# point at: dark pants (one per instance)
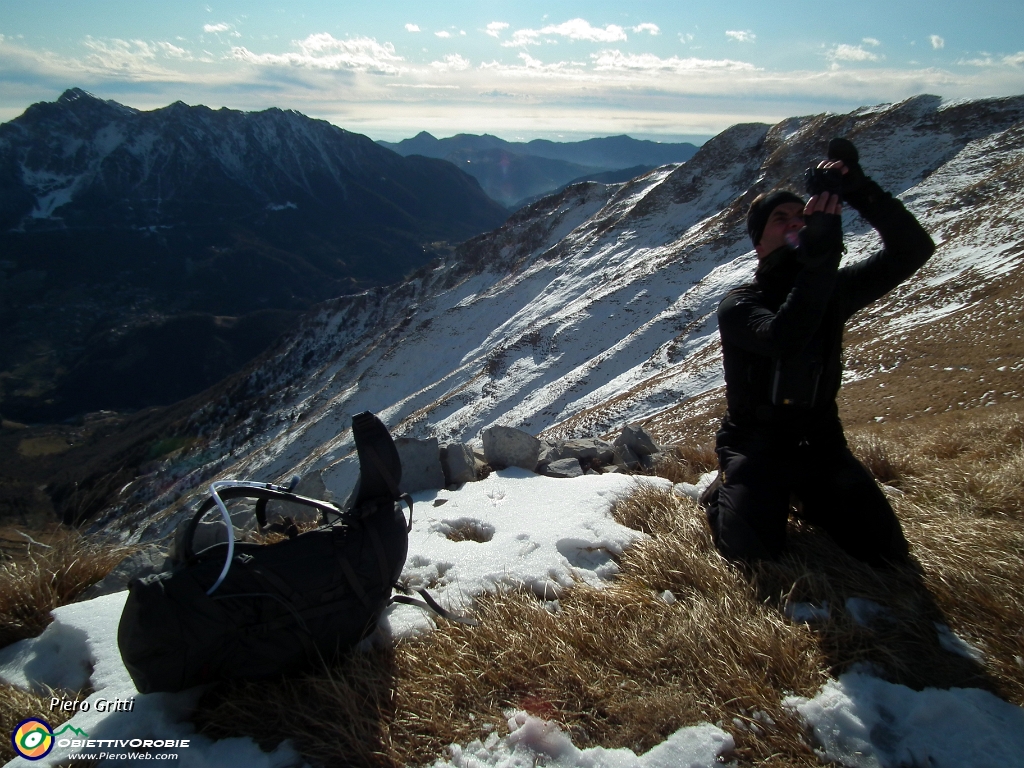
(762, 471)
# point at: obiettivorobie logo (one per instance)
(33, 738)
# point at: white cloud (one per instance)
(424, 86)
(119, 54)
(741, 35)
(174, 51)
(937, 42)
(452, 62)
(443, 33)
(494, 28)
(986, 59)
(647, 62)
(574, 29)
(845, 52)
(874, 42)
(596, 89)
(522, 38)
(128, 60)
(323, 51)
(412, 28)
(216, 27)
(647, 27)
(534, 67)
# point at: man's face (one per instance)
(784, 218)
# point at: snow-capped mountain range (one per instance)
(597, 306)
(112, 217)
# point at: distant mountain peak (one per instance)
(75, 94)
(79, 99)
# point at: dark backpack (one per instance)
(244, 610)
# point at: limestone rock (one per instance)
(584, 449)
(459, 464)
(636, 438)
(564, 468)
(650, 460)
(508, 447)
(312, 486)
(624, 457)
(421, 464)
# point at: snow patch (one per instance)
(864, 722)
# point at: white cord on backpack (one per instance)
(231, 531)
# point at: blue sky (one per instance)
(523, 70)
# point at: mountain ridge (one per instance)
(515, 173)
(112, 217)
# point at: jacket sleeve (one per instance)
(905, 248)
(745, 320)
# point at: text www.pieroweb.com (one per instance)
(126, 749)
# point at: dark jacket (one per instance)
(782, 334)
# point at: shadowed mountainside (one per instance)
(111, 218)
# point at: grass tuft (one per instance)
(686, 463)
(44, 578)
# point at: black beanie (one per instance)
(762, 207)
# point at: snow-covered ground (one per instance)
(543, 533)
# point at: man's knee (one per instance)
(735, 536)
(736, 540)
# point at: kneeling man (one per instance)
(781, 440)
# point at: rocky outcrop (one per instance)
(585, 450)
(459, 464)
(564, 468)
(508, 447)
(421, 464)
(637, 440)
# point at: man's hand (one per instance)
(821, 239)
(842, 151)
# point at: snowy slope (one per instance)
(595, 306)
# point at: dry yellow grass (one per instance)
(44, 578)
(617, 667)
(686, 463)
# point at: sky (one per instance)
(857, 719)
(658, 69)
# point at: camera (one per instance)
(820, 180)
